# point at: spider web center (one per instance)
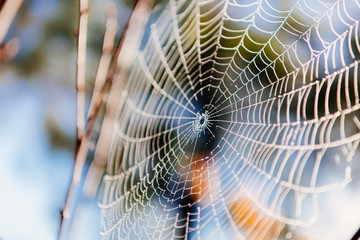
(201, 122)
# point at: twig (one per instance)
(83, 143)
(105, 60)
(126, 56)
(2, 3)
(80, 155)
(97, 166)
(97, 97)
(356, 235)
(130, 42)
(7, 14)
(81, 67)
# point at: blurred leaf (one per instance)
(57, 137)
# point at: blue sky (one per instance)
(33, 176)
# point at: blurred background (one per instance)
(37, 117)
(38, 125)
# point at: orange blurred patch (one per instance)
(253, 223)
(200, 177)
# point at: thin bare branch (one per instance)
(81, 67)
(105, 60)
(2, 3)
(125, 58)
(97, 97)
(98, 165)
(7, 14)
(136, 27)
(80, 155)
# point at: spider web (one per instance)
(235, 117)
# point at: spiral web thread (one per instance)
(236, 116)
